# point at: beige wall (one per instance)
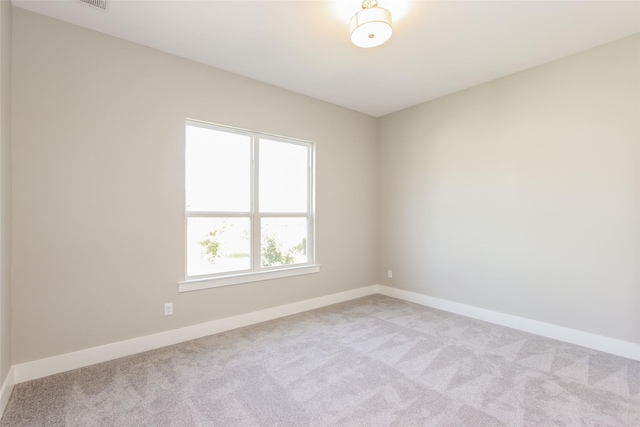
(5, 189)
(98, 136)
(522, 195)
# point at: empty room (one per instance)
(319, 213)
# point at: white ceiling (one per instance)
(438, 47)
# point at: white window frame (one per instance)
(257, 272)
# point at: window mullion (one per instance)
(255, 208)
(284, 214)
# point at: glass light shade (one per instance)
(371, 27)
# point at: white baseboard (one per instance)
(5, 391)
(585, 339)
(78, 359)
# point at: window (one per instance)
(249, 206)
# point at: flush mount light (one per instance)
(371, 26)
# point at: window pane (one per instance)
(218, 170)
(283, 177)
(284, 241)
(217, 245)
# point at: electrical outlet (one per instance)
(168, 309)
(389, 274)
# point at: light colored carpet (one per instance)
(375, 361)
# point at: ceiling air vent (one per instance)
(97, 4)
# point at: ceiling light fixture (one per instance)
(371, 26)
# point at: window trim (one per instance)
(256, 271)
(247, 277)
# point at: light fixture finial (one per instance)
(366, 4)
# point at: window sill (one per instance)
(236, 279)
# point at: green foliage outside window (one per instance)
(271, 254)
(211, 246)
